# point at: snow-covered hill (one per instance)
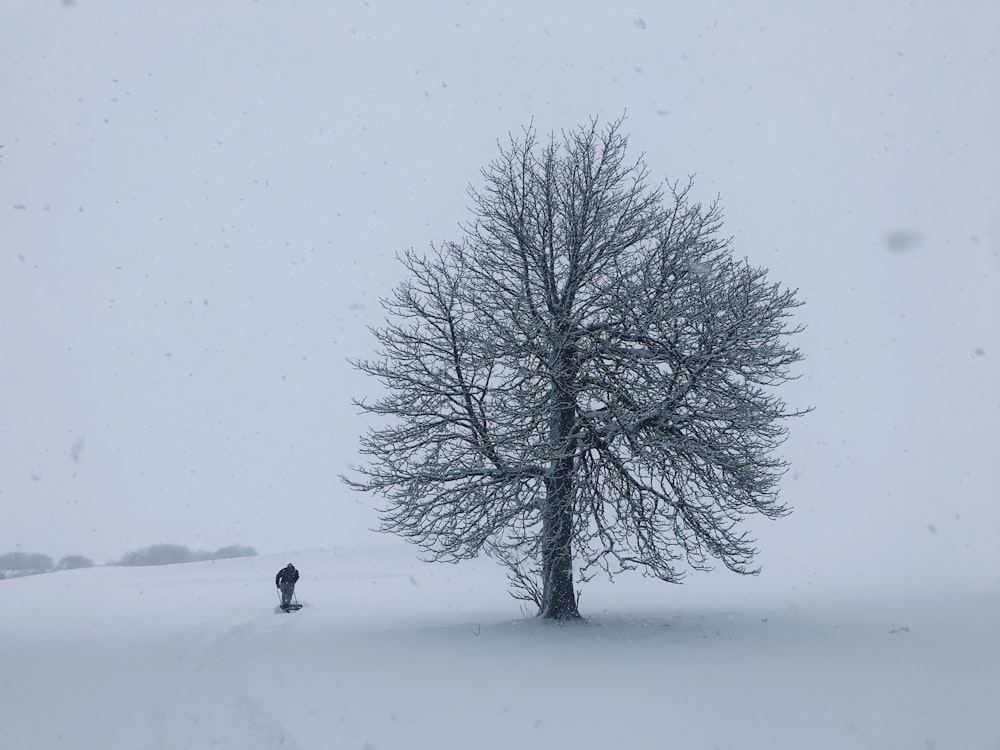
(391, 653)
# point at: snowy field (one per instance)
(391, 653)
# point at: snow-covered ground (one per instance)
(389, 652)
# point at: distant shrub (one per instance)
(158, 554)
(25, 563)
(70, 562)
(234, 550)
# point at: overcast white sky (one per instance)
(200, 205)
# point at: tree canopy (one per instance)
(585, 378)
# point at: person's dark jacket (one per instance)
(287, 574)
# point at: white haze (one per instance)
(200, 205)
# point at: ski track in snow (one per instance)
(205, 702)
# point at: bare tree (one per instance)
(585, 378)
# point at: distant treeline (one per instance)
(28, 563)
(15, 564)
(169, 554)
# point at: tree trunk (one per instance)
(558, 596)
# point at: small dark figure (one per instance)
(285, 581)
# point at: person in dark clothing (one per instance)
(285, 581)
